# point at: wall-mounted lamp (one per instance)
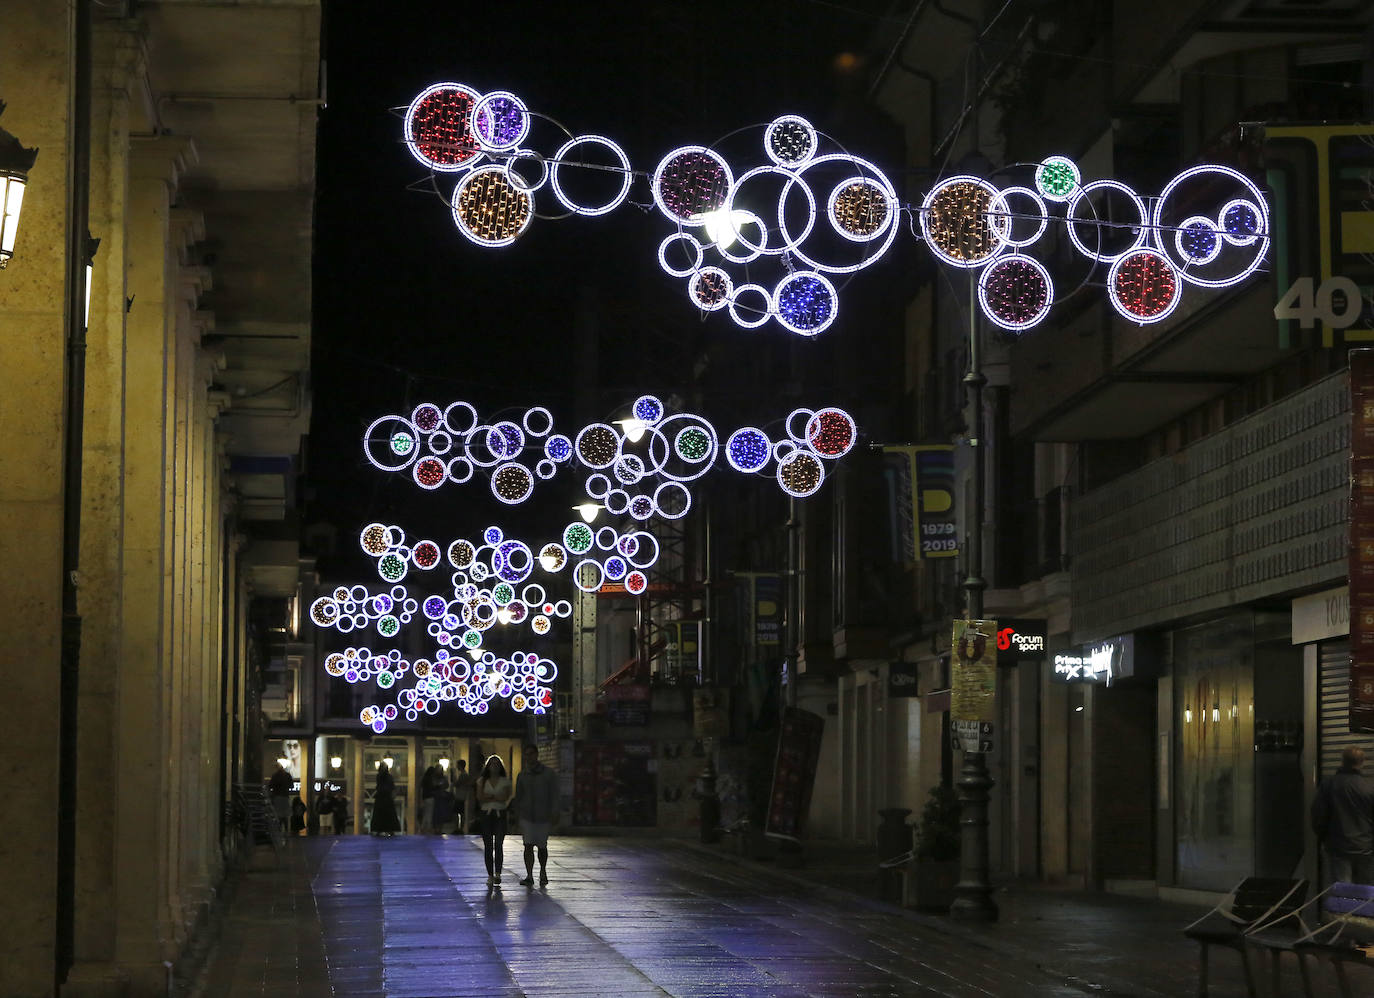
(15, 164)
(92, 245)
(389, 761)
(336, 762)
(1187, 714)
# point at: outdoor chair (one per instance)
(1255, 904)
(1346, 936)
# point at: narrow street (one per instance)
(412, 917)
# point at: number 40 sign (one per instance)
(1336, 302)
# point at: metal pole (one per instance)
(973, 894)
(793, 603)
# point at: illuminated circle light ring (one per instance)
(790, 140)
(842, 203)
(578, 575)
(636, 583)
(374, 539)
(597, 486)
(642, 507)
(487, 115)
(626, 175)
(795, 418)
(429, 473)
(806, 303)
(641, 558)
(1001, 206)
(738, 219)
(1057, 177)
(518, 180)
(578, 538)
(793, 178)
(879, 179)
(324, 611)
(801, 474)
(512, 483)
(1192, 227)
(460, 418)
(597, 445)
(647, 409)
(1245, 205)
(545, 469)
(425, 555)
(426, 417)
(1023, 270)
(831, 433)
(629, 469)
(1070, 216)
(748, 450)
(696, 444)
(696, 249)
(541, 418)
(938, 235)
(408, 458)
(505, 440)
(1153, 304)
(459, 470)
(440, 442)
(453, 120)
(677, 489)
(762, 312)
(689, 160)
(616, 501)
(710, 289)
(475, 446)
(615, 568)
(606, 538)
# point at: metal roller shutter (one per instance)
(1334, 707)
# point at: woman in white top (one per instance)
(493, 795)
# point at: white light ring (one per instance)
(459, 470)
(384, 539)
(706, 463)
(648, 409)
(628, 469)
(398, 593)
(462, 225)
(805, 415)
(656, 451)
(1132, 317)
(657, 179)
(466, 418)
(577, 575)
(990, 271)
(397, 559)
(1262, 247)
(792, 178)
(642, 506)
(1196, 222)
(640, 560)
(948, 258)
(844, 185)
(790, 119)
(542, 417)
(616, 501)
(760, 316)
(440, 443)
(475, 442)
(478, 571)
(434, 629)
(562, 608)
(615, 568)
(1073, 223)
(663, 254)
(577, 446)
(779, 306)
(533, 595)
(519, 182)
(545, 469)
(511, 466)
(1253, 207)
(784, 449)
(873, 255)
(686, 500)
(476, 111)
(605, 538)
(801, 455)
(344, 625)
(439, 556)
(626, 174)
(411, 143)
(636, 583)
(1005, 211)
(753, 253)
(410, 604)
(597, 486)
(496, 431)
(429, 461)
(395, 537)
(1058, 161)
(812, 423)
(409, 458)
(695, 283)
(556, 553)
(326, 609)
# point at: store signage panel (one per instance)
(902, 680)
(1099, 662)
(1321, 616)
(1021, 640)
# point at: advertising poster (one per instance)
(973, 670)
(627, 704)
(794, 772)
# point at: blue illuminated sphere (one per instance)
(805, 303)
(649, 409)
(558, 448)
(1199, 242)
(748, 450)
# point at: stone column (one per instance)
(414, 767)
(357, 787)
(35, 77)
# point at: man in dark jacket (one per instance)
(1343, 818)
(536, 803)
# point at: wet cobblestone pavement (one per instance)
(412, 917)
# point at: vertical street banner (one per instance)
(973, 683)
(767, 610)
(1362, 540)
(794, 773)
(929, 503)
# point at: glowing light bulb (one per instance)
(588, 510)
(633, 429)
(723, 225)
(336, 761)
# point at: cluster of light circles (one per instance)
(729, 219)
(812, 438)
(350, 608)
(522, 679)
(641, 466)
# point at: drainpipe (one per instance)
(78, 211)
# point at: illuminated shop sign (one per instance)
(1100, 662)
(1020, 640)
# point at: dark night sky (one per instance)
(407, 310)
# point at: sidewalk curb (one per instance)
(1093, 983)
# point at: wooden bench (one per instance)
(1346, 935)
(1255, 904)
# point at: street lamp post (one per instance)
(973, 894)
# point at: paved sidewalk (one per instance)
(412, 917)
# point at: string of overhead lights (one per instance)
(726, 220)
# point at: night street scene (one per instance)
(723, 500)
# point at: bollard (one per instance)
(710, 803)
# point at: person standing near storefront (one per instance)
(1343, 818)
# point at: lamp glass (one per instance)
(588, 511)
(336, 761)
(11, 200)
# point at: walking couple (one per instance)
(535, 803)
